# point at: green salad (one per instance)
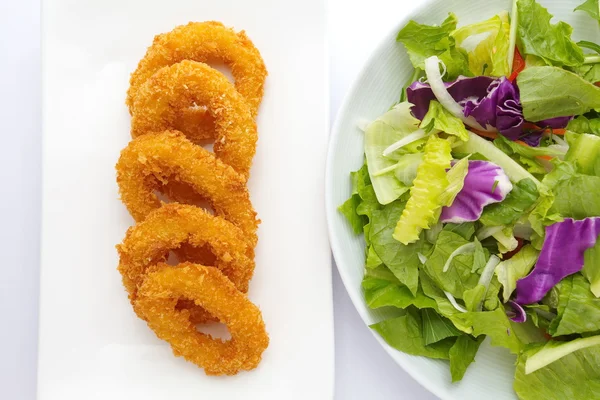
(479, 200)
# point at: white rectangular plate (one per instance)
(92, 346)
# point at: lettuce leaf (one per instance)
(436, 328)
(423, 41)
(578, 197)
(591, 8)
(458, 277)
(591, 268)
(462, 354)
(574, 376)
(515, 268)
(550, 92)
(422, 208)
(496, 325)
(520, 199)
(477, 144)
(584, 152)
(486, 44)
(582, 124)
(405, 333)
(438, 117)
(550, 42)
(578, 308)
(379, 135)
(382, 289)
(349, 210)
(401, 259)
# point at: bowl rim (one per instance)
(334, 137)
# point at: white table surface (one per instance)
(363, 369)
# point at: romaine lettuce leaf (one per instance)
(379, 135)
(422, 208)
(401, 259)
(458, 277)
(405, 333)
(439, 118)
(382, 289)
(550, 92)
(578, 197)
(456, 180)
(578, 308)
(584, 152)
(591, 268)
(462, 354)
(349, 210)
(423, 41)
(589, 72)
(406, 169)
(591, 8)
(574, 376)
(486, 44)
(582, 124)
(477, 144)
(436, 328)
(520, 199)
(516, 267)
(496, 325)
(550, 42)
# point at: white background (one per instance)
(363, 369)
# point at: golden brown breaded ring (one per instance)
(161, 98)
(167, 228)
(150, 161)
(205, 42)
(209, 288)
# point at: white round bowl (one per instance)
(377, 87)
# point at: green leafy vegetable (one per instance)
(462, 354)
(578, 197)
(373, 260)
(444, 306)
(401, 259)
(582, 124)
(436, 328)
(405, 333)
(521, 198)
(406, 169)
(550, 42)
(487, 45)
(438, 117)
(349, 210)
(515, 268)
(591, 8)
(559, 380)
(466, 229)
(456, 180)
(553, 351)
(379, 135)
(589, 72)
(458, 277)
(382, 289)
(477, 144)
(509, 147)
(591, 268)
(424, 41)
(496, 325)
(550, 92)
(584, 152)
(424, 204)
(578, 308)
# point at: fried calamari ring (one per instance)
(161, 98)
(150, 161)
(167, 228)
(209, 288)
(205, 42)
